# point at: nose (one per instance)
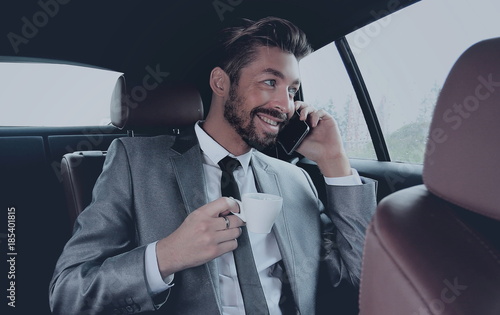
(284, 102)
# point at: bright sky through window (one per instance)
(45, 94)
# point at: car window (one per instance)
(326, 84)
(45, 94)
(405, 57)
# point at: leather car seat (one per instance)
(164, 110)
(434, 248)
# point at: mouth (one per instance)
(271, 117)
(272, 122)
(269, 121)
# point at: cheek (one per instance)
(257, 99)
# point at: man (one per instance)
(158, 234)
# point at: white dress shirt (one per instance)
(264, 246)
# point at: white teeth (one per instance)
(269, 121)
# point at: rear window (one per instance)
(55, 95)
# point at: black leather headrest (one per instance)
(166, 106)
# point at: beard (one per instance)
(244, 122)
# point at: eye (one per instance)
(292, 91)
(270, 82)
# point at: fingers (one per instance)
(303, 109)
(227, 235)
(228, 246)
(311, 114)
(225, 238)
(316, 116)
(238, 203)
(221, 206)
(228, 222)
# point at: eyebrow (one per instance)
(279, 74)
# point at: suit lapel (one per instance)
(300, 257)
(188, 168)
(267, 182)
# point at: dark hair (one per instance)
(239, 43)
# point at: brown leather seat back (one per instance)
(165, 107)
(434, 248)
(80, 171)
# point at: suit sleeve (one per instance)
(101, 269)
(348, 212)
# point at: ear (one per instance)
(219, 82)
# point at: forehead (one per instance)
(273, 58)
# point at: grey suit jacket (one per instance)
(147, 188)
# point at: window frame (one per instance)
(364, 99)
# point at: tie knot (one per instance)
(229, 164)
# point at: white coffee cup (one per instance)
(259, 211)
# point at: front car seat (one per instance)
(165, 110)
(435, 248)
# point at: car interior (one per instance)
(432, 246)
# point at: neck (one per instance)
(217, 127)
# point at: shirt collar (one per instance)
(215, 152)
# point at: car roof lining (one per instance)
(127, 36)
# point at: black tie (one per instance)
(251, 289)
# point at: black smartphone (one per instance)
(292, 134)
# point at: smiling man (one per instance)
(258, 102)
(132, 251)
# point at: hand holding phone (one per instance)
(293, 133)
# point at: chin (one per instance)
(262, 144)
